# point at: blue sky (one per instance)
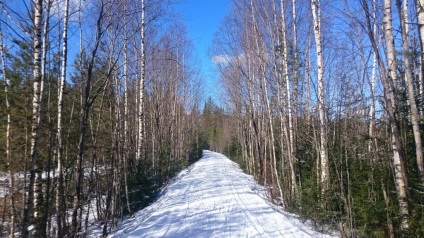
(202, 18)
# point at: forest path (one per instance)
(213, 198)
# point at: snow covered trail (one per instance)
(213, 198)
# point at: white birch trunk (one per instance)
(126, 111)
(308, 82)
(37, 44)
(295, 82)
(141, 85)
(397, 147)
(372, 87)
(59, 188)
(419, 5)
(325, 173)
(288, 98)
(38, 189)
(389, 79)
(411, 94)
(8, 152)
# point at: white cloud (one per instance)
(221, 59)
(58, 8)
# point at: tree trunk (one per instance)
(295, 86)
(87, 101)
(419, 5)
(290, 144)
(38, 186)
(373, 138)
(8, 151)
(411, 95)
(141, 86)
(60, 216)
(126, 112)
(37, 44)
(325, 172)
(389, 79)
(398, 155)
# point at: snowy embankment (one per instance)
(213, 198)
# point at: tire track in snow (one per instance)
(246, 212)
(213, 198)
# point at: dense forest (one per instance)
(99, 109)
(326, 98)
(102, 104)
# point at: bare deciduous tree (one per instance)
(37, 44)
(324, 163)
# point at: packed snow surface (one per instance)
(213, 198)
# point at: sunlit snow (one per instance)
(213, 198)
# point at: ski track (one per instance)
(213, 198)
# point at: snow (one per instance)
(20, 176)
(213, 198)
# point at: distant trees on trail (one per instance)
(326, 99)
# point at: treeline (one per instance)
(325, 108)
(100, 108)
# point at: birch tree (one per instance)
(324, 163)
(87, 101)
(397, 146)
(11, 183)
(126, 109)
(141, 125)
(419, 7)
(60, 216)
(37, 44)
(371, 130)
(39, 198)
(389, 79)
(410, 88)
(288, 92)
